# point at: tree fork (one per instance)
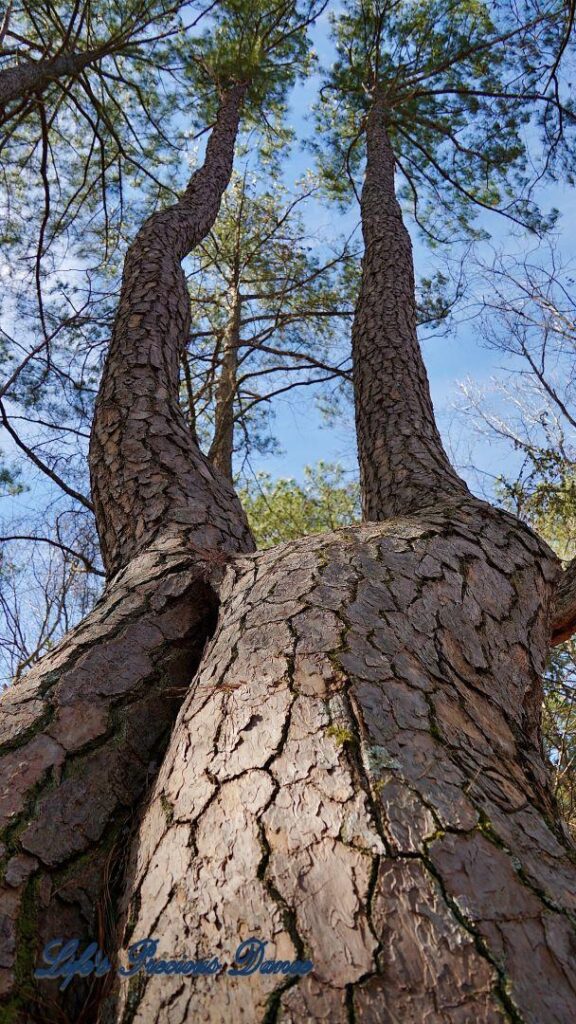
(374, 795)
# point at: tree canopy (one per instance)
(469, 88)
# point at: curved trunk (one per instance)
(372, 796)
(80, 739)
(81, 736)
(355, 777)
(149, 478)
(403, 465)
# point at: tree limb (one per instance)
(42, 465)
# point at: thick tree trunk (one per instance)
(222, 447)
(403, 465)
(79, 740)
(82, 735)
(371, 795)
(356, 777)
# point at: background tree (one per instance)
(270, 314)
(283, 509)
(524, 308)
(272, 301)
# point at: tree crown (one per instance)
(464, 86)
(258, 42)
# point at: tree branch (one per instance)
(42, 465)
(56, 544)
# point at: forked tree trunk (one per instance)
(356, 775)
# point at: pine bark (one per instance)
(372, 794)
(356, 773)
(80, 739)
(83, 734)
(149, 479)
(403, 465)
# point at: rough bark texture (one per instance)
(148, 476)
(356, 773)
(403, 464)
(564, 611)
(222, 447)
(356, 777)
(82, 735)
(79, 741)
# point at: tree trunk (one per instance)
(564, 614)
(356, 775)
(83, 733)
(222, 447)
(80, 737)
(149, 479)
(370, 796)
(403, 465)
